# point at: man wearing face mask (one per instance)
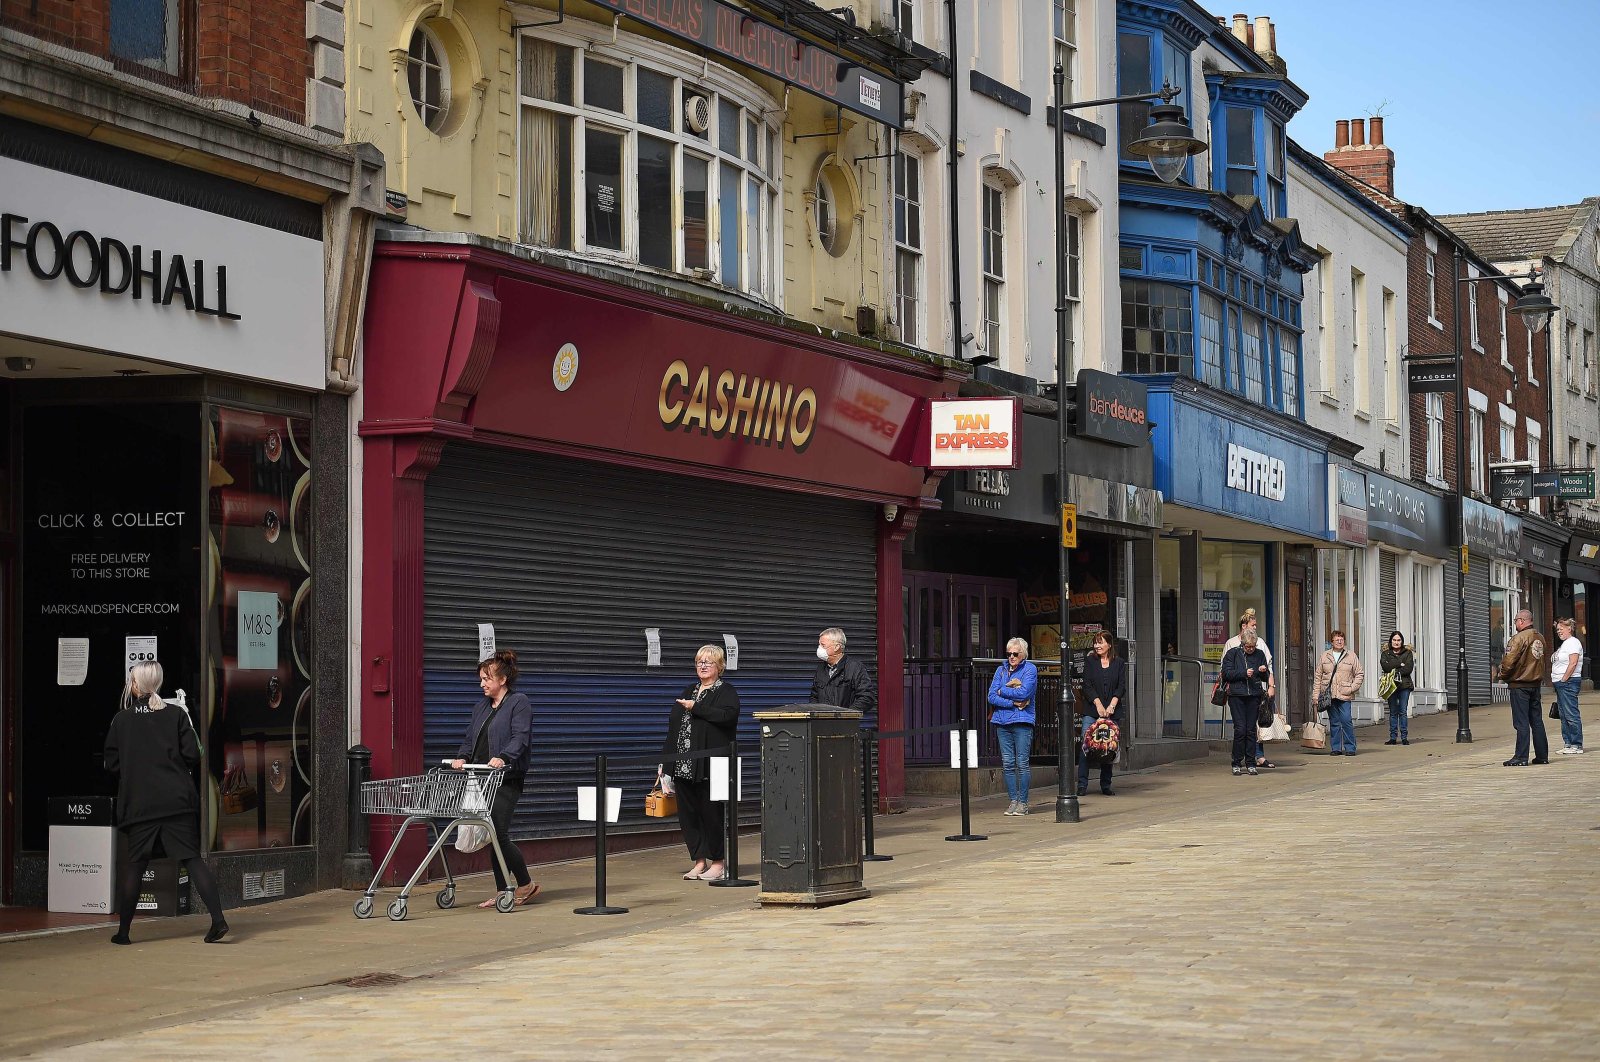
(841, 680)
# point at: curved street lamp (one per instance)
(1534, 305)
(1167, 143)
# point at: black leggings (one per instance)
(505, 802)
(132, 875)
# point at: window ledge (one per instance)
(1436, 323)
(1479, 348)
(1363, 415)
(1392, 427)
(1436, 481)
(1573, 390)
(1329, 399)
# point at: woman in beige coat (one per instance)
(1340, 673)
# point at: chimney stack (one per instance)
(1372, 163)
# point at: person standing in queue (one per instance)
(1340, 673)
(1399, 659)
(1105, 689)
(704, 719)
(1247, 673)
(1522, 669)
(500, 735)
(153, 750)
(841, 680)
(1011, 712)
(1247, 622)
(1565, 664)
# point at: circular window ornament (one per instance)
(835, 209)
(428, 75)
(565, 369)
(827, 214)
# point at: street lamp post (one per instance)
(1536, 308)
(1167, 142)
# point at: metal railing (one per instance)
(941, 693)
(1184, 697)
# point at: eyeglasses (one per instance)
(1013, 654)
(705, 663)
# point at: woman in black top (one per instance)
(1398, 658)
(706, 717)
(153, 750)
(1105, 688)
(499, 735)
(1246, 671)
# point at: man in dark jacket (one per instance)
(841, 680)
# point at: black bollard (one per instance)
(966, 833)
(357, 868)
(869, 739)
(600, 804)
(731, 879)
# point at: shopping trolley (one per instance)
(464, 797)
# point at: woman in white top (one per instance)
(1566, 663)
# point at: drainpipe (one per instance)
(954, 195)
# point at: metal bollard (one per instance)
(966, 833)
(357, 869)
(869, 740)
(601, 803)
(731, 879)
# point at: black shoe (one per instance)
(1392, 741)
(1515, 763)
(1083, 790)
(121, 938)
(1267, 765)
(1335, 752)
(1405, 741)
(1541, 759)
(217, 931)
(1108, 791)
(1350, 753)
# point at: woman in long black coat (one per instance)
(704, 718)
(153, 750)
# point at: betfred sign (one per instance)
(974, 433)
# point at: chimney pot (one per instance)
(1341, 134)
(1377, 130)
(1272, 37)
(1262, 37)
(1358, 132)
(1241, 28)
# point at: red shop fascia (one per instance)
(468, 344)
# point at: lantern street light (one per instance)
(1536, 309)
(1168, 143)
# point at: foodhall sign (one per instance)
(974, 433)
(736, 34)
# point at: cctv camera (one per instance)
(19, 364)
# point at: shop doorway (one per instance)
(956, 630)
(1297, 645)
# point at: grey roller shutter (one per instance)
(1386, 602)
(1447, 604)
(572, 561)
(1480, 653)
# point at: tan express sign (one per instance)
(973, 433)
(753, 408)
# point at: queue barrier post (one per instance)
(966, 765)
(869, 741)
(600, 816)
(730, 878)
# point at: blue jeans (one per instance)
(1016, 741)
(1526, 717)
(1083, 760)
(1399, 705)
(1341, 728)
(1567, 704)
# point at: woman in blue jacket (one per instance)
(1011, 710)
(499, 735)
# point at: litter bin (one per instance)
(83, 848)
(810, 806)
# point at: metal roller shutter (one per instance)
(572, 560)
(1386, 600)
(1447, 603)
(1480, 655)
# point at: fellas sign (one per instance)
(974, 433)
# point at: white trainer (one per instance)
(1011, 808)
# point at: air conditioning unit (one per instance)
(697, 113)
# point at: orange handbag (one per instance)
(660, 804)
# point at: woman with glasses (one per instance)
(706, 717)
(1011, 711)
(1105, 688)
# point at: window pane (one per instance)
(602, 85)
(546, 178)
(1241, 182)
(1157, 327)
(750, 140)
(696, 242)
(1208, 363)
(1133, 76)
(907, 265)
(728, 126)
(655, 98)
(1175, 72)
(603, 202)
(728, 224)
(1241, 137)
(655, 202)
(546, 70)
(752, 235)
(144, 31)
(1252, 357)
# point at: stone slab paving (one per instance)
(1429, 904)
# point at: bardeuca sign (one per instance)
(760, 410)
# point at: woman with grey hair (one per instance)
(705, 718)
(153, 750)
(1011, 711)
(1565, 664)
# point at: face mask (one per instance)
(822, 653)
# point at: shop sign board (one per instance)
(974, 433)
(1350, 496)
(88, 265)
(1544, 557)
(1579, 485)
(1113, 409)
(1512, 485)
(1404, 514)
(1431, 377)
(1491, 531)
(734, 33)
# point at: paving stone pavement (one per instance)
(1433, 905)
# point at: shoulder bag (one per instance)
(1219, 690)
(660, 804)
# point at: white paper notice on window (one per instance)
(72, 661)
(485, 641)
(652, 647)
(139, 649)
(731, 645)
(719, 778)
(586, 803)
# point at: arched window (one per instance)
(428, 74)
